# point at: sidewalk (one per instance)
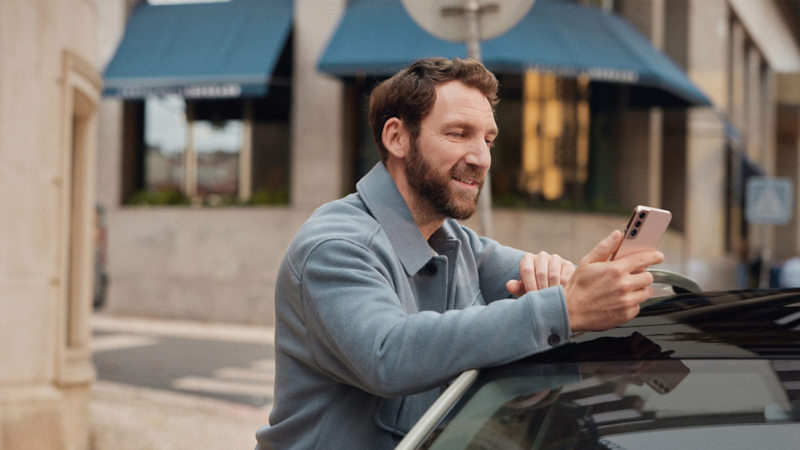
(127, 417)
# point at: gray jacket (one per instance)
(372, 323)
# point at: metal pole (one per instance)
(472, 11)
(766, 257)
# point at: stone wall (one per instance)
(221, 264)
(49, 88)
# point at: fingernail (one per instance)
(661, 255)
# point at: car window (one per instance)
(628, 405)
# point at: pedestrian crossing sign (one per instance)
(768, 200)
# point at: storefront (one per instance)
(567, 73)
(207, 92)
(264, 102)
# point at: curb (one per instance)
(184, 329)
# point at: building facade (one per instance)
(49, 92)
(579, 148)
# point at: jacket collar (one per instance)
(381, 196)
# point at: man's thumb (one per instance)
(602, 251)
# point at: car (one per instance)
(696, 370)
(100, 273)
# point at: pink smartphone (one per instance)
(643, 232)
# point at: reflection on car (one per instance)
(718, 370)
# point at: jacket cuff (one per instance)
(550, 317)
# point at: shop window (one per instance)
(164, 143)
(207, 152)
(217, 136)
(555, 148)
(361, 152)
(210, 152)
(542, 155)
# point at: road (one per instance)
(226, 362)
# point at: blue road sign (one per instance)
(768, 200)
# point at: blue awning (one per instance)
(201, 50)
(378, 38)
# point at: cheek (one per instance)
(442, 155)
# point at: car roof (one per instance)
(749, 324)
(680, 332)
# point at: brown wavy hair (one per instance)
(410, 94)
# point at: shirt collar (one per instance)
(384, 201)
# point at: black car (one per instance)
(713, 370)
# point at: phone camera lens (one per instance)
(642, 214)
(638, 224)
(633, 233)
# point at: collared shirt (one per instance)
(372, 320)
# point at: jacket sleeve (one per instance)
(360, 335)
(496, 264)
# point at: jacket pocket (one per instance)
(398, 415)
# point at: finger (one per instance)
(649, 352)
(554, 271)
(515, 287)
(630, 380)
(641, 280)
(542, 267)
(527, 273)
(641, 295)
(635, 311)
(567, 269)
(645, 365)
(638, 262)
(603, 250)
(636, 339)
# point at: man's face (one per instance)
(448, 162)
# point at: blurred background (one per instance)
(156, 158)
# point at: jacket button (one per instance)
(553, 340)
(429, 269)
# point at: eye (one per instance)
(490, 143)
(456, 134)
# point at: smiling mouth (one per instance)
(466, 182)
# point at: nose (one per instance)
(479, 155)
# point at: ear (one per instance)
(395, 138)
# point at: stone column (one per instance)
(317, 108)
(112, 15)
(707, 65)
(787, 237)
(49, 90)
(641, 132)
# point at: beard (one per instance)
(434, 187)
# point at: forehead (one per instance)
(457, 101)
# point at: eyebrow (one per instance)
(465, 125)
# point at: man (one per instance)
(383, 297)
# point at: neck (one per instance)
(426, 217)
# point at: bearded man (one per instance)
(383, 297)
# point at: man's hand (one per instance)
(602, 294)
(540, 271)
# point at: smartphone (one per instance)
(664, 375)
(643, 232)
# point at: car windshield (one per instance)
(655, 404)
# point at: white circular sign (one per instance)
(447, 19)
